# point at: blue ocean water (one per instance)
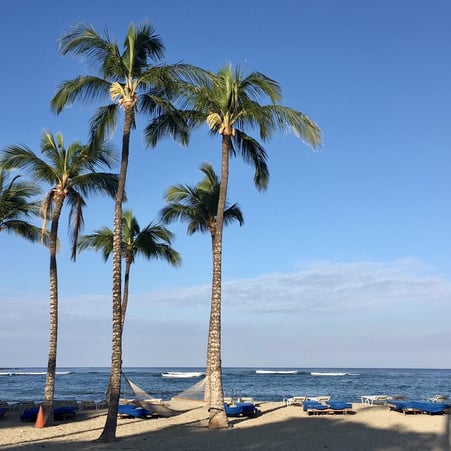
(18, 384)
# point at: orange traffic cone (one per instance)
(40, 419)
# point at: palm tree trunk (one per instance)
(49, 390)
(109, 431)
(123, 312)
(207, 395)
(218, 417)
(128, 265)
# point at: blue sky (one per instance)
(343, 262)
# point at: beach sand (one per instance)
(276, 428)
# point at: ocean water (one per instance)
(18, 384)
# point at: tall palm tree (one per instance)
(198, 206)
(16, 208)
(229, 103)
(152, 242)
(128, 81)
(71, 173)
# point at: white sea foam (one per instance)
(276, 372)
(182, 374)
(313, 373)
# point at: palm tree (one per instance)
(229, 103)
(129, 83)
(152, 242)
(198, 206)
(16, 207)
(71, 173)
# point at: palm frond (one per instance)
(97, 183)
(154, 241)
(142, 45)
(22, 228)
(100, 52)
(258, 86)
(99, 154)
(167, 124)
(232, 214)
(83, 88)
(211, 180)
(103, 122)
(76, 220)
(101, 239)
(17, 206)
(46, 210)
(25, 159)
(253, 152)
(197, 205)
(279, 117)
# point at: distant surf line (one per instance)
(316, 373)
(276, 371)
(183, 374)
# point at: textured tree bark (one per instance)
(109, 431)
(218, 417)
(49, 390)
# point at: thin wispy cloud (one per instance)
(332, 287)
(322, 287)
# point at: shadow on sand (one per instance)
(313, 434)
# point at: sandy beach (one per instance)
(277, 427)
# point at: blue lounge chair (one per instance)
(2, 412)
(240, 409)
(431, 408)
(397, 406)
(132, 411)
(59, 413)
(314, 407)
(339, 405)
(330, 407)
